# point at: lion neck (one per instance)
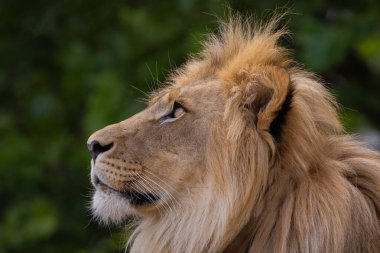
(203, 224)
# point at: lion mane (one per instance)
(282, 175)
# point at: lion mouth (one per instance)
(134, 197)
(139, 199)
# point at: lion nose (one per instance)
(96, 148)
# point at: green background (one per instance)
(68, 68)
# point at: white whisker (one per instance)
(170, 196)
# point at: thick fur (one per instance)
(281, 175)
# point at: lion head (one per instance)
(242, 151)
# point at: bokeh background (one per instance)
(68, 68)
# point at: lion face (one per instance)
(144, 164)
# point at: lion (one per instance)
(241, 151)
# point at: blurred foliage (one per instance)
(68, 68)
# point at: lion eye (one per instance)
(177, 111)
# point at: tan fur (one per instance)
(225, 183)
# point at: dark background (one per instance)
(68, 68)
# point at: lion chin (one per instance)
(242, 151)
(110, 208)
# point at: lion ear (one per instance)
(268, 97)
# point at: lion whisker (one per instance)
(149, 187)
(169, 197)
(172, 198)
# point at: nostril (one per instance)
(96, 148)
(96, 180)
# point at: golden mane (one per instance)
(284, 176)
